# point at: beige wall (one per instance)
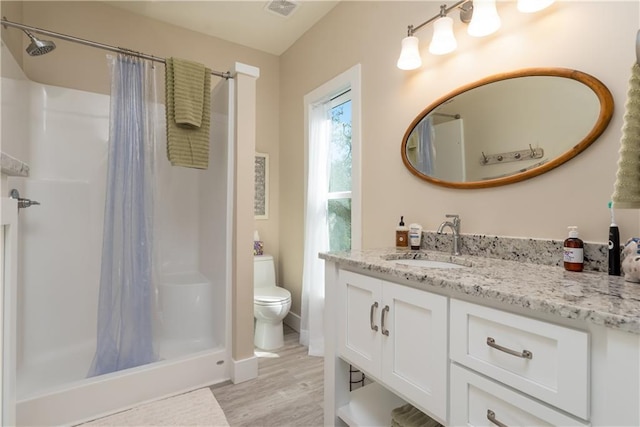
(12, 38)
(570, 34)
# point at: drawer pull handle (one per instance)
(384, 310)
(374, 327)
(491, 416)
(525, 354)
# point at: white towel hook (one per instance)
(638, 47)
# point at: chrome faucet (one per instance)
(454, 225)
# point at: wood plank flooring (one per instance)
(287, 392)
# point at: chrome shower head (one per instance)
(38, 47)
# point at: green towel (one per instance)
(410, 416)
(626, 194)
(187, 143)
(188, 92)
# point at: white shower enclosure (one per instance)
(62, 134)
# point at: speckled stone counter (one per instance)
(590, 296)
(536, 251)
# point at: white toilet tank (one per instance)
(264, 272)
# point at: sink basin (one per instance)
(426, 263)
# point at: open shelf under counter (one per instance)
(370, 405)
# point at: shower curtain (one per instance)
(426, 147)
(126, 300)
(316, 232)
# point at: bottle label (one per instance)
(402, 239)
(575, 255)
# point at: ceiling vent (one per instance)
(284, 8)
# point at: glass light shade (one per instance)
(443, 40)
(485, 19)
(410, 54)
(530, 6)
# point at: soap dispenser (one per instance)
(402, 234)
(573, 251)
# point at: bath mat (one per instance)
(197, 408)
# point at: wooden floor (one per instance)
(287, 392)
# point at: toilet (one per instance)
(270, 304)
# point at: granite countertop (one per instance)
(594, 297)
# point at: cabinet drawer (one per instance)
(478, 401)
(544, 360)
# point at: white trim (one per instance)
(8, 309)
(350, 79)
(339, 195)
(293, 321)
(248, 70)
(244, 370)
(231, 174)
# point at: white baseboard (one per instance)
(244, 370)
(293, 321)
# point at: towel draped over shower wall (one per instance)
(188, 111)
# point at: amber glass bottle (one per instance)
(573, 251)
(402, 235)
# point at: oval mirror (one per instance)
(507, 127)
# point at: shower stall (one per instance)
(62, 134)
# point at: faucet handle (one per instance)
(456, 219)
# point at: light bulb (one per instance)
(485, 19)
(410, 55)
(530, 6)
(443, 40)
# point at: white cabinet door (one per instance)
(414, 353)
(398, 335)
(359, 300)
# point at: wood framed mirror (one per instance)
(507, 127)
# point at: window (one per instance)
(340, 162)
(332, 196)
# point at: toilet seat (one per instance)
(271, 295)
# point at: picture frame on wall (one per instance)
(261, 198)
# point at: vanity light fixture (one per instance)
(443, 40)
(481, 15)
(485, 19)
(410, 55)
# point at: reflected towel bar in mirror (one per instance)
(512, 156)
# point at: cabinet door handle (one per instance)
(382, 316)
(491, 416)
(525, 354)
(374, 327)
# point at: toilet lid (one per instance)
(271, 295)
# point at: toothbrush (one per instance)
(614, 245)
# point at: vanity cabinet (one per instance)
(540, 359)
(466, 359)
(397, 335)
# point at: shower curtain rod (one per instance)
(453, 116)
(5, 23)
